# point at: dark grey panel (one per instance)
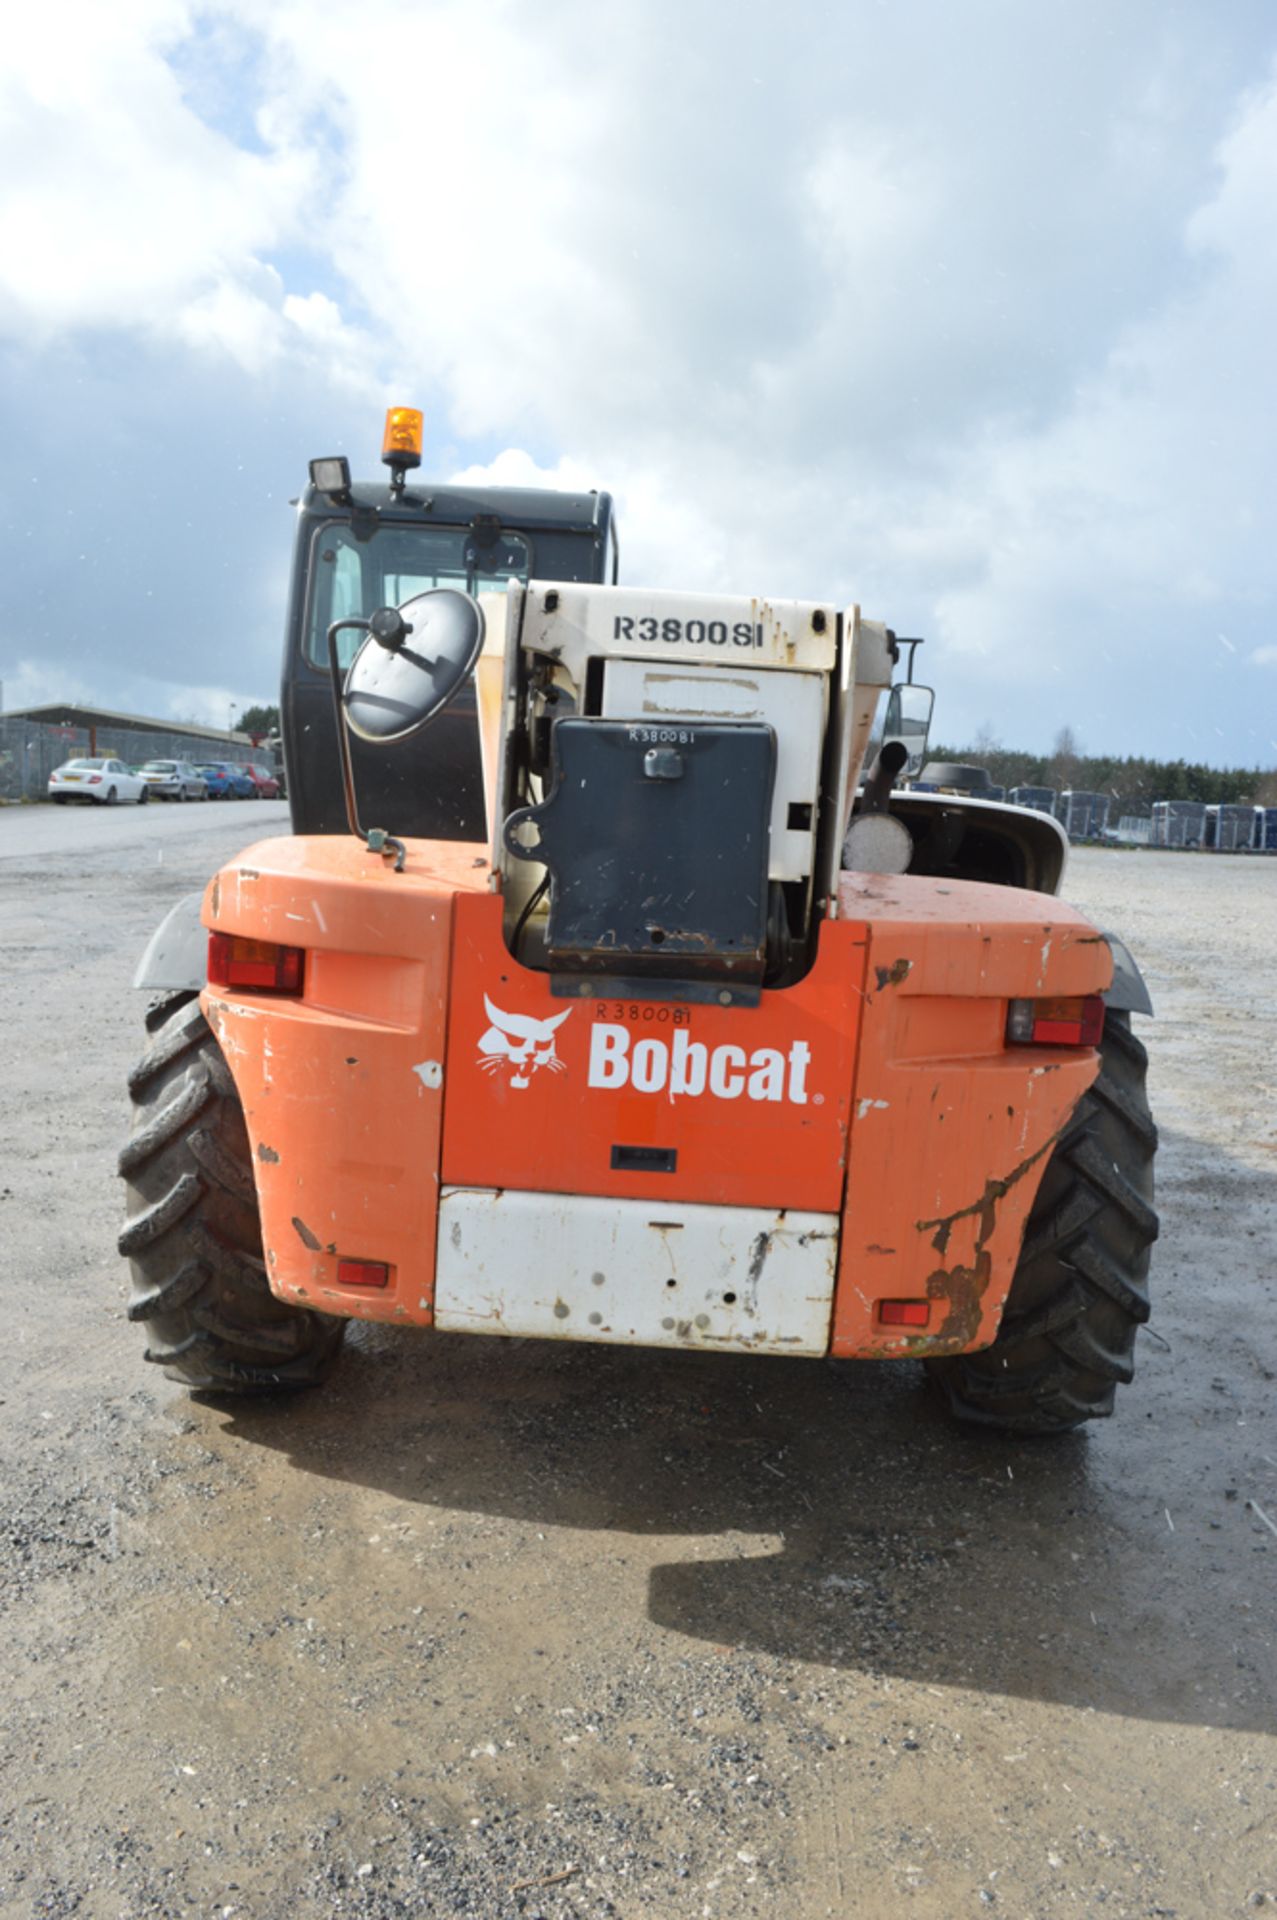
(656, 839)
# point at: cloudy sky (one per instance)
(967, 313)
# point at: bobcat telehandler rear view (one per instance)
(598, 996)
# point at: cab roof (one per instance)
(531, 508)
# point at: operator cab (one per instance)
(361, 546)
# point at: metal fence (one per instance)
(29, 753)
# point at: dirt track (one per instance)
(496, 1628)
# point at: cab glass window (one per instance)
(350, 579)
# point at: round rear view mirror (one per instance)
(412, 664)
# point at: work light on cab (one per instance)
(257, 966)
(331, 475)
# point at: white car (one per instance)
(102, 782)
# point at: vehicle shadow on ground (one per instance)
(867, 1531)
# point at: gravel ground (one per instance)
(498, 1629)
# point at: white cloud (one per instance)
(38, 683)
(230, 319)
(515, 468)
(35, 683)
(1136, 512)
(122, 207)
(200, 706)
(962, 313)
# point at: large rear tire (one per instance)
(1081, 1288)
(193, 1237)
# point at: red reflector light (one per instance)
(1077, 1021)
(263, 966)
(362, 1273)
(904, 1313)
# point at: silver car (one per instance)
(174, 780)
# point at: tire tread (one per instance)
(1080, 1290)
(193, 1235)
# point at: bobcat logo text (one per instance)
(516, 1046)
(687, 1068)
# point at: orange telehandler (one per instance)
(617, 1005)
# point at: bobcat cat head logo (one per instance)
(517, 1041)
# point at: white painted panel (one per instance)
(792, 704)
(574, 622)
(634, 1272)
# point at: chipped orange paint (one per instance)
(952, 1128)
(344, 1124)
(882, 1089)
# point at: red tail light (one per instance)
(262, 966)
(904, 1313)
(362, 1273)
(1075, 1022)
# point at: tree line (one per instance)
(1133, 781)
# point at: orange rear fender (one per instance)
(342, 1087)
(952, 1128)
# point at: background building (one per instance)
(35, 740)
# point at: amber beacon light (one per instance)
(401, 442)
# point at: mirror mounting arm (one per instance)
(343, 742)
(913, 645)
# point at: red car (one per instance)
(263, 779)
